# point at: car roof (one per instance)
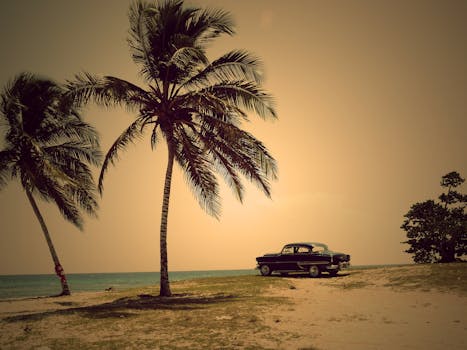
(313, 244)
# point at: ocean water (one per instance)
(22, 286)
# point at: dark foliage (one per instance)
(437, 231)
(48, 149)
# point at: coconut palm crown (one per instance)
(194, 105)
(48, 148)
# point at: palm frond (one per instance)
(133, 132)
(154, 137)
(49, 189)
(54, 131)
(198, 173)
(246, 166)
(138, 39)
(6, 158)
(236, 65)
(246, 154)
(107, 91)
(209, 24)
(22, 108)
(202, 103)
(226, 169)
(167, 38)
(10, 108)
(185, 61)
(66, 205)
(4, 177)
(247, 95)
(84, 195)
(74, 151)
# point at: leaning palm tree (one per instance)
(48, 148)
(194, 105)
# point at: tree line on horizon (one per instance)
(191, 104)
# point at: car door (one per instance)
(303, 256)
(287, 258)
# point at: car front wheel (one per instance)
(265, 270)
(314, 271)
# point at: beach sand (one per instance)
(372, 318)
(386, 308)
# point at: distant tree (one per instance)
(48, 148)
(437, 231)
(195, 106)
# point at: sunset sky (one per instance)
(372, 104)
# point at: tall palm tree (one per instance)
(194, 105)
(48, 148)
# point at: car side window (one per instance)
(318, 249)
(304, 250)
(288, 250)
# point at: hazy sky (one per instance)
(372, 101)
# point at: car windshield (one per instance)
(288, 250)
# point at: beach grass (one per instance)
(417, 277)
(442, 277)
(209, 313)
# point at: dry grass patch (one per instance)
(441, 277)
(420, 277)
(210, 313)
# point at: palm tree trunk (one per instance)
(164, 278)
(58, 267)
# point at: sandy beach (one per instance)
(374, 317)
(409, 307)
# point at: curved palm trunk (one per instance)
(58, 267)
(164, 278)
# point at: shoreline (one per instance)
(81, 285)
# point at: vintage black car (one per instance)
(312, 258)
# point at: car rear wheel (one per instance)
(265, 270)
(314, 271)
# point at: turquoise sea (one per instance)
(22, 286)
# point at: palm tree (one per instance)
(48, 148)
(194, 105)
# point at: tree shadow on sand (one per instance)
(123, 307)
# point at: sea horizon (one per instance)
(176, 271)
